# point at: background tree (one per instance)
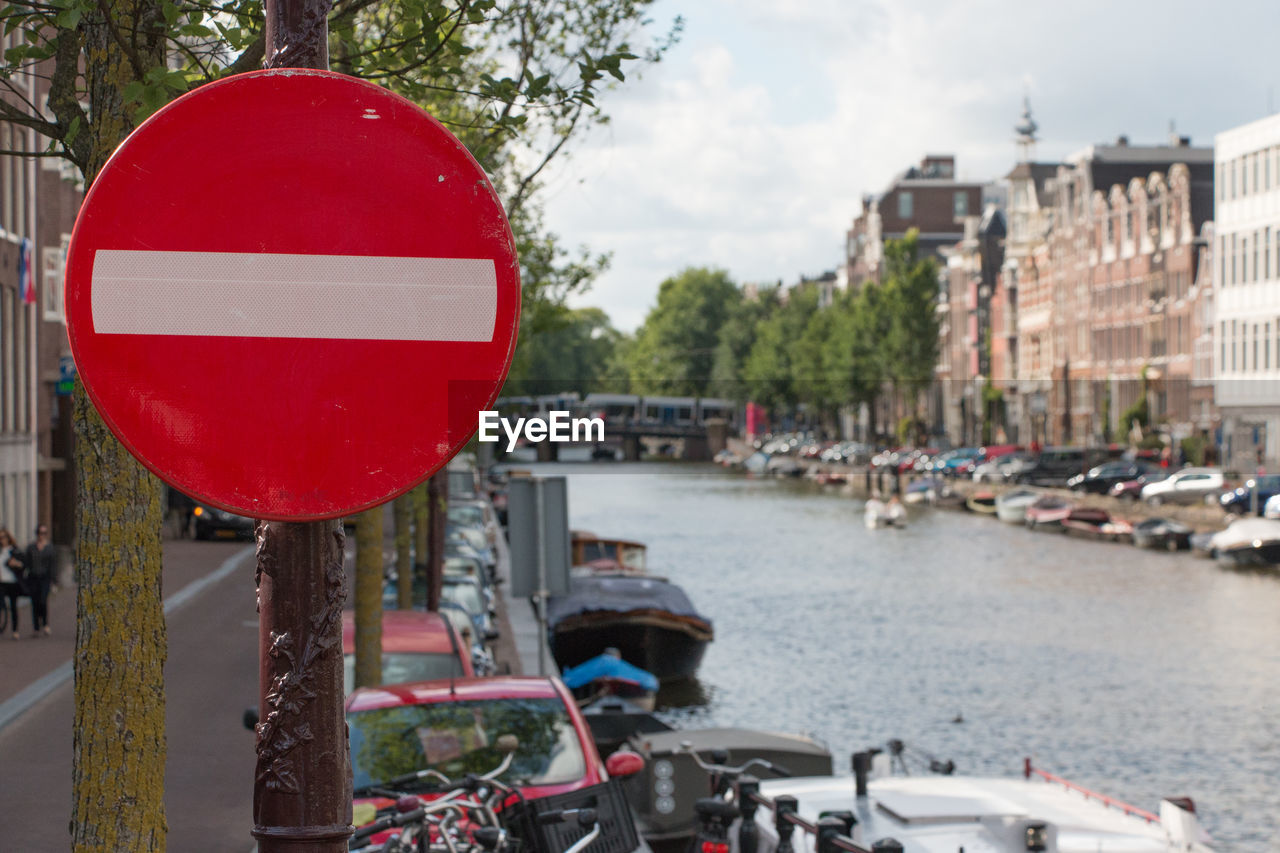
(675, 348)
(734, 343)
(770, 370)
(517, 80)
(572, 352)
(911, 291)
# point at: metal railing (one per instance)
(1111, 802)
(831, 833)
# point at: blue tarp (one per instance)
(607, 666)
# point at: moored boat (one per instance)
(1047, 512)
(1249, 543)
(1012, 506)
(648, 619)
(608, 674)
(878, 513)
(982, 502)
(927, 490)
(1093, 523)
(1162, 533)
(946, 813)
(599, 553)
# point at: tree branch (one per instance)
(19, 116)
(64, 98)
(139, 70)
(251, 57)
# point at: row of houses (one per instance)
(1124, 276)
(39, 199)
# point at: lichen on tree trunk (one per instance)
(119, 735)
(368, 597)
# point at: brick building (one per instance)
(39, 199)
(928, 198)
(1102, 275)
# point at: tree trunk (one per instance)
(368, 596)
(402, 509)
(421, 522)
(437, 511)
(121, 645)
(119, 734)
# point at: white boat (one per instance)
(943, 814)
(877, 513)
(1251, 542)
(1012, 506)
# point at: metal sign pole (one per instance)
(302, 782)
(540, 505)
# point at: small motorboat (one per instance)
(925, 491)
(878, 513)
(1048, 512)
(609, 675)
(1096, 524)
(1249, 543)
(1012, 506)
(1163, 534)
(982, 502)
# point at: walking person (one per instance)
(11, 576)
(41, 563)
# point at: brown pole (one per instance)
(302, 782)
(437, 513)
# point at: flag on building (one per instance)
(26, 275)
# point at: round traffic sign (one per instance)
(290, 292)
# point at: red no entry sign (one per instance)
(290, 292)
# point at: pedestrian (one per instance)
(41, 563)
(11, 575)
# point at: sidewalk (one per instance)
(26, 660)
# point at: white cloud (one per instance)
(750, 146)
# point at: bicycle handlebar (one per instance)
(777, 769)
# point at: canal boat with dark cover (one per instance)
(1163, 534)
(947, 813)
(1249, 543)
(648, 619)
(664, 792)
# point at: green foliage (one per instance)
(1137, 413)
(778, 369)
(676, 347)
(573, 351)
(1193, 449)
(737, 337)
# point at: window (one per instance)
(904, 205)
(1266, 347)
(1253, 159)
(1244, 258)
(1266, 169)
(1255, 346)
(1266, 257)
(1254, 262)
(961, 204)
(51, 280)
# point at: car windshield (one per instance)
(465, 594)
(456, 738)
(399, 667)
(468, 516)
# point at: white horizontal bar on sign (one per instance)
(251, 295)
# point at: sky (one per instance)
(750, 145)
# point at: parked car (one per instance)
(1100, 479)
(416, 646)
(1240, 501)
(213, 523)
(468, 593)
(453, 727)
(481, 657)
(1055, 465)
(1190, 485)
(1272, 509)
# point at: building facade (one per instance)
(1100, 273)
(1246, 293)
(927, 198)
(39, 200)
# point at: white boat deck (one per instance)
(946, 814)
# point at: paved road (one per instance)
(211, 677)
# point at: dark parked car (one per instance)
(1131, 490)
(1239, 500)
(1099, 480)
(1055, 465)
(214, 523)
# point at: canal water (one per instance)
(1136, 673)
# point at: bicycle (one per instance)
(717, 813)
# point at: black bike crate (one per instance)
(617, 827)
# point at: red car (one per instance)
(416, 646)
(452, 726)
